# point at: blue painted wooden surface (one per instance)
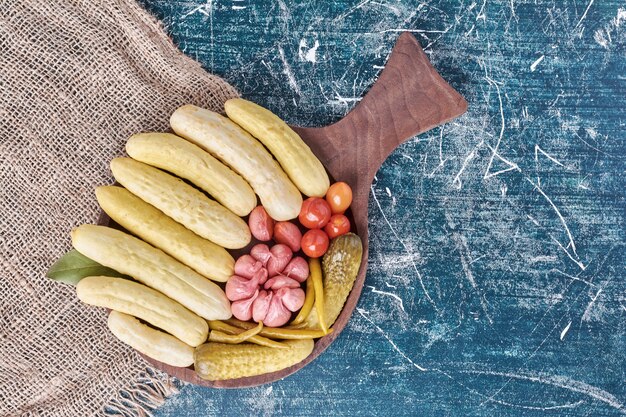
(496, 277)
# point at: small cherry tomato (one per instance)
(315, 243)
(315, 213)
(339, 197)
(337, 226)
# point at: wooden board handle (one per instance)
(408, 98)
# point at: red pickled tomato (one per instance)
(337, 226)
(339, 197)
(315, 243)
(315, 213)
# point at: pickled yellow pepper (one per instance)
(228, 329)
(308, 302)
(279, 332)
(315, 269)
(221, 337)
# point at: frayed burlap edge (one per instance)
(76, 80)
(149, 392)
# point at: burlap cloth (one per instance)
(76, 79)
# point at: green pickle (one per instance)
(340, 266)
(219, 361)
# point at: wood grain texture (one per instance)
(474, 303)
(409, 98)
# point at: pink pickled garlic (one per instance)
(266, 285)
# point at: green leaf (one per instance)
(74, 266)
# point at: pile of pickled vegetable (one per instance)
(185, 203)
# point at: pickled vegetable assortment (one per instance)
(232, 250)
(325, 219)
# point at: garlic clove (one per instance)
(280, 257)
(297, 268)
(239, 288)
(242, 309)
(261, 305)
(261, 253)
(277, 315)
(246, 266)
(292, 298)
(281, 281)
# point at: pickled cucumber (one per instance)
(340, 266)
(220, 361)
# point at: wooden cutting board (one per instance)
(408, 98)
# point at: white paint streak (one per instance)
(532, 219)
(469, 32)
(592, 132)
(350, 11)
(584, 14)
(344, 100)
(543, 258)
(441, 160)
(391, 342)
(572, 277)
(406, 249)
(200, 9)
(464, 251)
(481, 14)
(288, 72)
(477, 259)
(569, 255)
(550, 407)
(565, 330)
(602, 36)
(494, 153)
(390, 294)
(563, 222)
(457, 179)
(553, 159)
(508, 404)
(308, 54)
(392, 8)
(414, 30)
(560, 382)
(621, 16)
(533, 66)
(265, 64)
(587, 314)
